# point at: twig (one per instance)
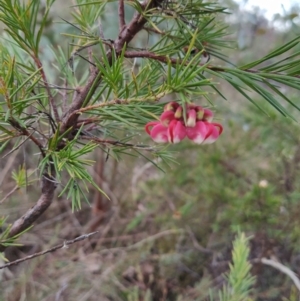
(196, 244)
(282, 268)
(18, 146)
(8, 165)
(140, 171)
(61, 246)
(142, 242)
(121, 15)
(65, 95)
(176, 61)
(30, 136)
(10, 193)
(118, 143)
(51, 98)
(90, 60)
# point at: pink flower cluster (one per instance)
(173, 127)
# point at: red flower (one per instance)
(157, 131)
(204, 132)
(172, 128)
(176, 131)
(168, 129)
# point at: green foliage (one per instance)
(251, 176)
(23, 24)
(239, 278)
(5, 239)
(124, 95)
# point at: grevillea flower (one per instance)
(157, 131)
(176, 131)
(173, 127)
(204, 132)
(199, 128)
(168, 129)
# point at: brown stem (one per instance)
(51, 98)
(45, 200)
(30, 136)
(117, 143)
(175, 61)
(121, 15)
(99, 105)
(61, 246)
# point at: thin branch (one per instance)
(92, 121)
(10, 193)
(9, 163)
(122, 23)
(51, 98)
(118, 143)
(118, 102)
(17, 147)
(175, 61)
(282, 268)
(65, 95)
(30, 136)
(155, 30)
(196, 243)
(61, 246)
(90, 52)
(102, 104)
(147, 240)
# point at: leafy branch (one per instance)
(108, 89)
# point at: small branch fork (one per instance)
(30, 136)
(61, 246)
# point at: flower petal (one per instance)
(208, 115)
(176, 131)
(157, 131)
(214, 131)
(150, 125)
(159, 134)
(166, 117)
(171, 106)
(198, 133)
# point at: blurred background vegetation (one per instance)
(168, 236)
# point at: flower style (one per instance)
(173, 127)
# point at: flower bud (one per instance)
(171, 106)
(166, 117)
(157, 131)
(178, 112)
(191, 119)
(208, 115)
(200, 113)
(214, 131)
